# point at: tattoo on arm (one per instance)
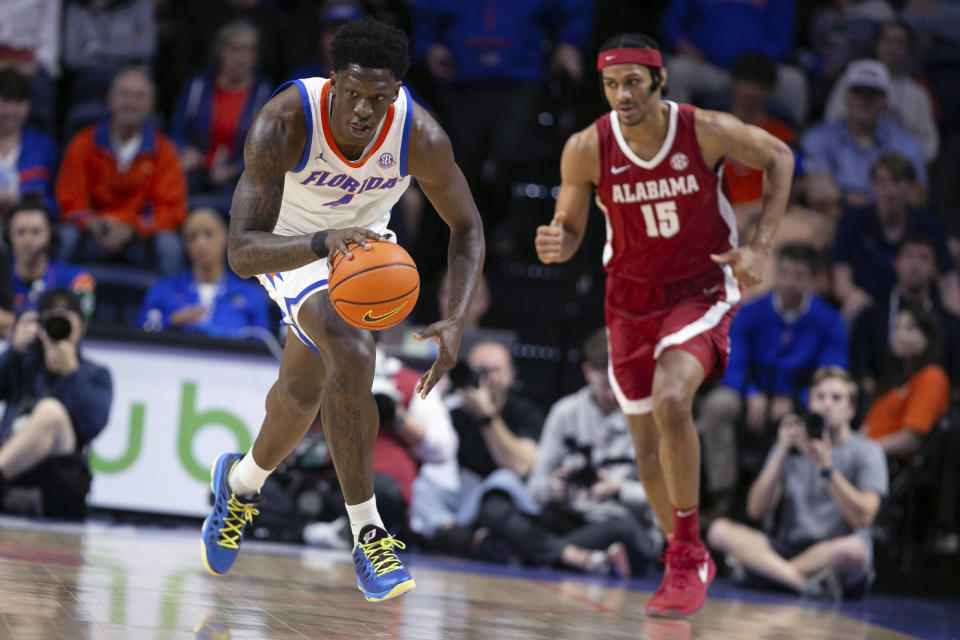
(253, 247)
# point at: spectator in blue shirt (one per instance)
(57, 402)
(867, 238)
(708, 35)
(32, 271)
(27, 156)
(776, 343)
(488, 61)
(837, 155)
(208, 297)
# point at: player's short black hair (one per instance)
(371, 44)
(635, 41)
(800, 252)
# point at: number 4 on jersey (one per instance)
(665, 223)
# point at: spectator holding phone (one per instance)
(817, 496)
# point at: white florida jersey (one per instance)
(328, 191)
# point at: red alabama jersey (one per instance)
(664, 216)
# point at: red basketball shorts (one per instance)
(644, 320)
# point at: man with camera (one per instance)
(817, 495)
(585, 471)
(498, 427)
(57, 402)
(30, 236)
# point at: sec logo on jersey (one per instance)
(386, 161)
(679, 161)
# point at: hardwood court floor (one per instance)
(100, 581)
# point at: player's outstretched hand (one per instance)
(338, 239)
(549, 240)
(748, 264)
(446, 333)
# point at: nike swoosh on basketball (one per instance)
(703, 572)
(616, 170)
(369, 317)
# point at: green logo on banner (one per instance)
(134, 444)
(191, 423)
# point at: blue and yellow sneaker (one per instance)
(380, 574)
(223, 528)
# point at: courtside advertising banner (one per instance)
(174, 411)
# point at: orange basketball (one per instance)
(377, 289)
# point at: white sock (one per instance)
(247, 477)
(363, 514)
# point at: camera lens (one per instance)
(815, 424)
(57, 327)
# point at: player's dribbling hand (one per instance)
(748, 264)
(549, 240)
(446, 333)
(338, 239)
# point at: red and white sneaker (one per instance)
(689, 571)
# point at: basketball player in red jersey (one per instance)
(674, 272)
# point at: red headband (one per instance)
(646, 57)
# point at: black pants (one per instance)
(540, 541)
(56, 488)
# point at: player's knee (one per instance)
(671, 402)
(353, 357)
(300, 395)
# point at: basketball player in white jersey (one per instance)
(325, 161)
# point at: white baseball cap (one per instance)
(868, 73)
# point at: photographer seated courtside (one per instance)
(57, 403)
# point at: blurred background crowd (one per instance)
(122, 125)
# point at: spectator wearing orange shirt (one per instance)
(753, 77)
(915, 393)
(213, 114)
(120, 188)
